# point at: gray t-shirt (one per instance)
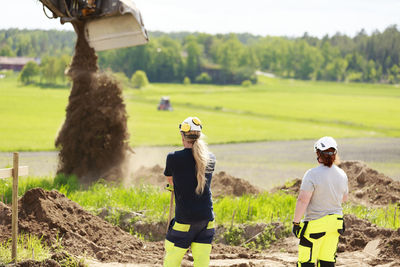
(328, 186)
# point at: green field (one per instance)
(275, 109)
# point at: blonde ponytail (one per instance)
(201, 156)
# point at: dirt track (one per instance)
(264, 164)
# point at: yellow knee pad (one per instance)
(173, 254)
(201, 254)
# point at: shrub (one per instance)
(203, 78)
(30, 70)
(246, 83)
(139, 79)
(186, 81)
(354, 77)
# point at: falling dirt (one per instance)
(222, 184)
(93, 140)
(366, 186)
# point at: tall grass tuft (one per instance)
(265, 207)
(27, 244)
(388, 216)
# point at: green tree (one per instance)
(61, 66)
(335, 71)
(30, 70)
(6, 51)
(394, 76)
(139, 79)
(194, 52)
(48, 70)
(370, 72)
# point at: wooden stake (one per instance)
(171, 209)
(15, 208)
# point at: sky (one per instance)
(260, 17)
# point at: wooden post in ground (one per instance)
(14, 172)
(15, 207)
(171, 209)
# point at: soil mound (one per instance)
(359, 232)
(93, 140)
(368, 186)
(224, 184)
(63, 222)
(221, 184)
(291, 187)
(150, 175)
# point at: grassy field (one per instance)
(275, 109)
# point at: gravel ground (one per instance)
(265, 164)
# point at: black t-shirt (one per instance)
(189, 207)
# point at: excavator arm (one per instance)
(109, 24)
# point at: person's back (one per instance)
(329, 185)
(189, 171)
(322, 191)
(189, 206)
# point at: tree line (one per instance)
(230, 58)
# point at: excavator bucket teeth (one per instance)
(109, 24)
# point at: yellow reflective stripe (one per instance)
(181, 227)
(211, 225)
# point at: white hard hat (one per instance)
(190, 124)
(325, 143)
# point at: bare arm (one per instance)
(170, 181)
(345, 197)
(301, 205)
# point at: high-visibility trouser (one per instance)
(319, 239)
(181, 236)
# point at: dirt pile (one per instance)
(150, 175)
(63, 222)
(368, 186)
(93, 140)
(360, 232)
(222, 184)
(291, 187)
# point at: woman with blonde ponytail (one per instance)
(189, 173)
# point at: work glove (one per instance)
(296, 229)
(169, 187)
(341, 231)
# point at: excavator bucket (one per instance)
(109, 24)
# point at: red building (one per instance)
(15, 63)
